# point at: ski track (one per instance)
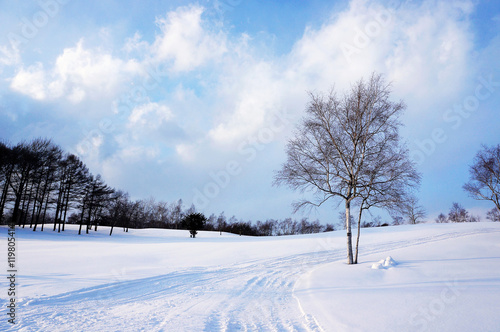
(251, 296)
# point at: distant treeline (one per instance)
(41, 184)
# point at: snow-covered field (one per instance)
(445, 277)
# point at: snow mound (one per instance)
(384, 263)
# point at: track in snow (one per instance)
(251, 296)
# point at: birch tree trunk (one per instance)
(348, 228)
(359, 230)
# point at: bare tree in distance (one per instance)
(412, 210)
(349, 147)
(493, 215)
(458, 213)
(484, 183)
(441, 219)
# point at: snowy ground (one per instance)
(446, 277)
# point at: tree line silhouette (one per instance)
(42, 185)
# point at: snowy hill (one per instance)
(442, 277)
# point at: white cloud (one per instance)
(419, 48)
(136, 153)
(143, 135)
(187, 152)
(252, 95)
(422, 48)
(92, 71)
(186, 40)
(9, 56)
(90, 146)
(77, 74)
(136, 44)
(149, 116)
(31, 81)
(430, 57)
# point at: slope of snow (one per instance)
(441, 276)
(442, 282)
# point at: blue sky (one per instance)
(196, 100)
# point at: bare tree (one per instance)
(221, 222)
(412, 210)
(493, 215)
(48, 155)
(442, 218)
(397, 219)
(349, 148)
(24, 161)
(99, 195)
(6, 170)
(484, 183)
(119, 209)
(458, 214)
(176, 213)
(74, 181)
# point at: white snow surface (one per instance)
(434, 277)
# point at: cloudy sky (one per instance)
(196, 100)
